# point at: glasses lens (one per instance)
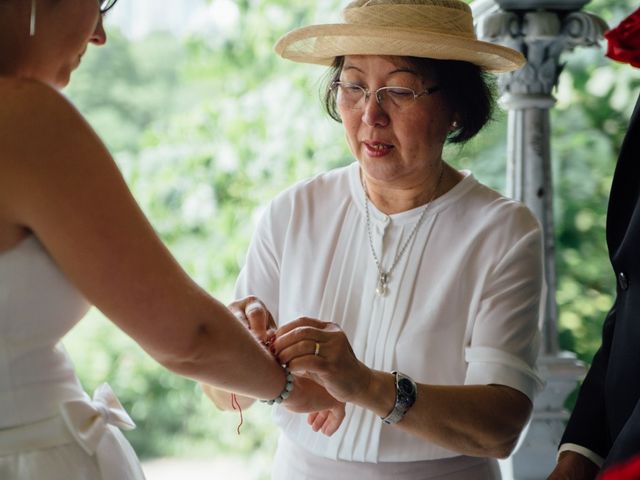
(349, 95)
(398, 97)
(106, 5)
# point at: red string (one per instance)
(236, 406)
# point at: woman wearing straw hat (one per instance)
(403, 286)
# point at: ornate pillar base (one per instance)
(536, 456)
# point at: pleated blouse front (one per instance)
(462, 304)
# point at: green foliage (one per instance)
(207, 129)
(596, 100)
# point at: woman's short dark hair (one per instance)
(469, 91)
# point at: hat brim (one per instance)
(320, 44)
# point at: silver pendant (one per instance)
(383, 281)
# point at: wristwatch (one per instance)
(406, 392)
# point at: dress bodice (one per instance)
(38, 306)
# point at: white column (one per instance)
(542, 30)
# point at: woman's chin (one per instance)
(378, 167)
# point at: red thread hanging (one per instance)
(236, 406)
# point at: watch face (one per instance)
(406, 392)
(405, 386)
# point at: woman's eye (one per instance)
(400, 92)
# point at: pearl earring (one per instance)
(32, 22)
(454, 124)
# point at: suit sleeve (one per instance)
(587, 426)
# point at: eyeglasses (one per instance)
(350, 95)
(106, 5)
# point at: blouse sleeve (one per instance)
(260, 274)
(505, 336)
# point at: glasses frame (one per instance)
(377, 93)
(109, 5)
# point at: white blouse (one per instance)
(462, 305)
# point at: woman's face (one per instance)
(63, 30)
(398, 147)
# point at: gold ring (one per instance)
(317, 350)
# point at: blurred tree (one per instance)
(207, 129)
(596, 97)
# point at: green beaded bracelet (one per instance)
(286, 391)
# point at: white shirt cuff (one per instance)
(488, 365)
(585, 452)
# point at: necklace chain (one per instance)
(384, 277)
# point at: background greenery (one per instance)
(208, 128)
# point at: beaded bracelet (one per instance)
(286, 391)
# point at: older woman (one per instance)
(71, 235)
(404, 286)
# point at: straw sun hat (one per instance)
(441, 29)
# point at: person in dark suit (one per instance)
(604, 428)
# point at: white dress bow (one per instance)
(95, 426)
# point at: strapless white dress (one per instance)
(49, 427)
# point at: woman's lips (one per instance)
(377, 149)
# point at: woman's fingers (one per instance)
(302, 322)
(327, 421)
(299, 349)
(237, 309)
(260, 320)
(334, 420)
(319, 420)
(255, 316)
(305, 329)
(312, 417)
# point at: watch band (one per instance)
(406, 393)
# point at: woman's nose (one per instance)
(373, 114)
(99, 36)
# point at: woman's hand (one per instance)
(327, 413)
(254, 315)
(327, 421)
(322, 351)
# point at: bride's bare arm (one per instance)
(59, 181)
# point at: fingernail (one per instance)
(253, 306)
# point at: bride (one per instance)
(71, 235)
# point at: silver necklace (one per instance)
(382, 285)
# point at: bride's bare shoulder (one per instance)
(24, 98)
(35, 115)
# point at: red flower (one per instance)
(630, 470)
(624, 40)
